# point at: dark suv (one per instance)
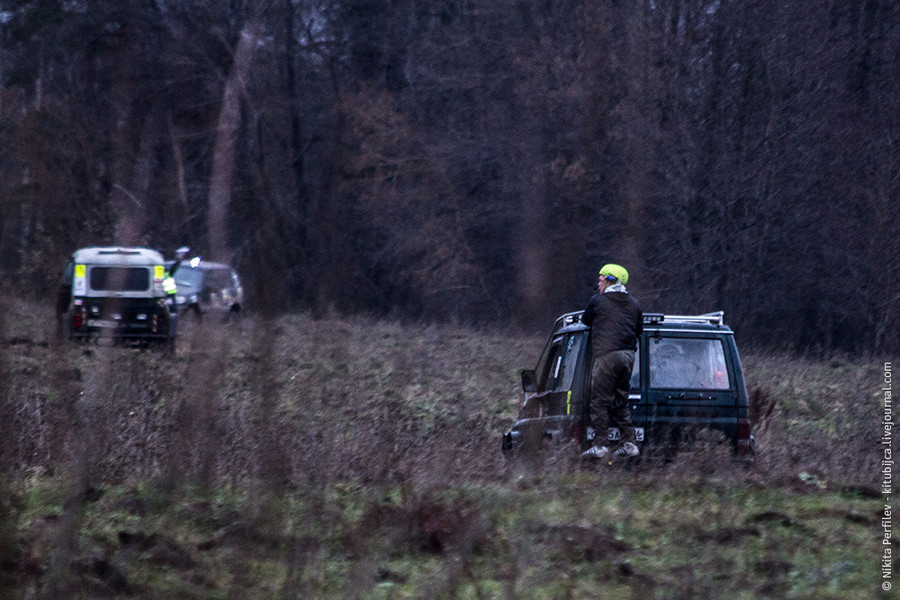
(687, 377)
(205, 287)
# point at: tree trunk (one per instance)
(126, 205)
(226, 143)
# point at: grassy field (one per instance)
(348, 458)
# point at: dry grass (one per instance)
(347, 458)
(821, 417)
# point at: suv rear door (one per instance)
(690, 382)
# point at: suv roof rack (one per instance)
(118, 251)
(713, 318)
(567, 319)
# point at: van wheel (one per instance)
(63, 327)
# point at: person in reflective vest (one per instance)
(171, 289)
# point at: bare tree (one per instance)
(227, 130)
(368, 149)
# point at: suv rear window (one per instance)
(688, 363)
(120, 279)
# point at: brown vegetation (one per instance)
(307, 457)
(473, 160)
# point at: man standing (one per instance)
(616, 323)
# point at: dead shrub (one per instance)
(762, 410)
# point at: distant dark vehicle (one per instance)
(115, 293)
(687, 377)
(205, 288)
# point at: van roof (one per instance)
(117, 255)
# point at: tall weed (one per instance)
(301, 457)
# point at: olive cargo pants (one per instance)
(610, 383)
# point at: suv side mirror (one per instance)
(529, 381)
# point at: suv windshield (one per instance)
(188, 277)
(688, 363)
(120, 279)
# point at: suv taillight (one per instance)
(78, 317)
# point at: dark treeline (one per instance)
(472, 160)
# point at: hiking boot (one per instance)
(595, 452)
(628, 449)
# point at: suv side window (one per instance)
(636, 372)
(557, 366)
(688, 363)
(219, 279)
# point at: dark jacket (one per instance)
(616, 321)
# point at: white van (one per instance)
(116, 293)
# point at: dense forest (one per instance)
(471, 161)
